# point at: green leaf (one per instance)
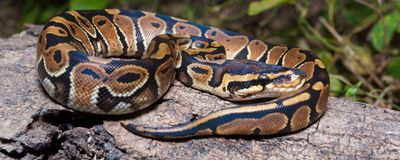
(393, 68)
(351, 91)
(189, 13)
(87, 4)
(388, 24)
(47, 13)
(331, 11)
(264, 5)
(336, 86)
(354, 16)
(30, 16)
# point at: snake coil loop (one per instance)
(119, 61)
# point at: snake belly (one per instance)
(119, 61)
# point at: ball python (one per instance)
(116, 61)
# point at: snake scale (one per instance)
(116, 61)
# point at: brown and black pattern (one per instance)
(184, 28)
(256, 49)
(151, 26)
(118, 61)
(109, 33)
(233, 44)
(127, 28)
(79, 36)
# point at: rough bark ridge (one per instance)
(32, 126)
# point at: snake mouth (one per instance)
(285, 81)
(285, 87)
(276, 88)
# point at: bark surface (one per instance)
(33, 126)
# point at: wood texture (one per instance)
(33, 126)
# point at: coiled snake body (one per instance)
(118, 61)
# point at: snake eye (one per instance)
(200, 44)
(263, 76)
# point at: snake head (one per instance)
(284, 81)
(205, 48)
(272, 81)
